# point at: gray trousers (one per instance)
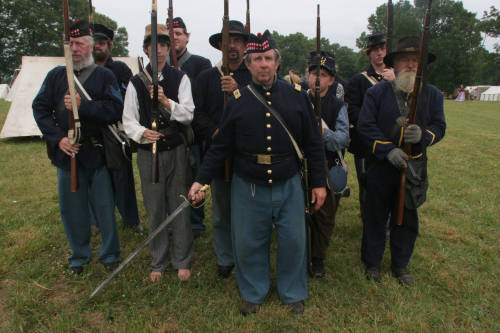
(173, 180)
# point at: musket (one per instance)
(422, 65)
(390, 21)
(173, 54)
(225, 71)
(154, 103)
(91, 15)
(148, 240)
(317, 97)
(247, 24)
(74, 131)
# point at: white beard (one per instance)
(405, 80)
(77, 66)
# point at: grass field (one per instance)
(455, 264)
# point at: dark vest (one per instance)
(170, 84)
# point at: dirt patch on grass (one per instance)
(21, 239)
(6, 287)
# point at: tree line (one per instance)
(456, 38)
(35, 28)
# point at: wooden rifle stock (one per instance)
(247, 24)
(225, 70)
(154, 102)
(173, 53)
(422, 64)
(390, 21)
(73, 118)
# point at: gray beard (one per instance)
(405, 81)
(78, 66)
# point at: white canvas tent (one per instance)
(20, 121)
(492, 94)
(4, 90)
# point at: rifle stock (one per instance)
(173, 53)
(154, 102)
(247, 24)
(225, 70)
(390, 21)
(422, 65)
(73, 118)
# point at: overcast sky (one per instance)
(340, 24)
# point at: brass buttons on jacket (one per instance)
(269, 138)
(269, 102)
(268, 93)
(268, 115)
(268, 125)
(270, 181)
(269, 172)
(269, 149)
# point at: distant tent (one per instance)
(4, 90)
(492, 94)
(20, 121)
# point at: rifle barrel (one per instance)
(154, 76)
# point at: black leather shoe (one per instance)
(77, 269)
(297, 307)
(247, 308)
(403, 276)
(373, 273)
(318, 268)
(224, 272)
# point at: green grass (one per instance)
(455, 264)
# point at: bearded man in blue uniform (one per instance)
(383, 127)
(50, 109)
(266, 187)
(211, 86)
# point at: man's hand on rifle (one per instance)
(388, 74)
(66, 146)
(161, 97)
(195, 194)
(67, 101)
(151, 136)
(228, 84)
(398, 158)
(412, 134)
(318, 196)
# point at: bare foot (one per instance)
(155, 276)
(183, 274)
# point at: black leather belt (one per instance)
(266, 159)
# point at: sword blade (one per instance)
(162, 226)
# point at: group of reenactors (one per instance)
(260, 130)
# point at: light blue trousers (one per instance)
(94, 186)
(254, 210)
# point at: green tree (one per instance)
(295, 50)
(35, 28)
(455, 39)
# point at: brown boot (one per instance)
(297, 307)
(247, 308)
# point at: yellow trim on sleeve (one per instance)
(433, 137)
(401, 136)
(381, 142)
(417, 156)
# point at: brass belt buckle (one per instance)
(264, 159)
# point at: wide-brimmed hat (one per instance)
(260, 43)
(161, 30)
(408, 44)
(102, 31)
(236, 28)
(326, 61)
(374, 39)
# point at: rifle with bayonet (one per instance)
(390, 21)
(154, 103)
(247, 24)
(74, 131)
(419, 78)
(173, 54)
(225, 71)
